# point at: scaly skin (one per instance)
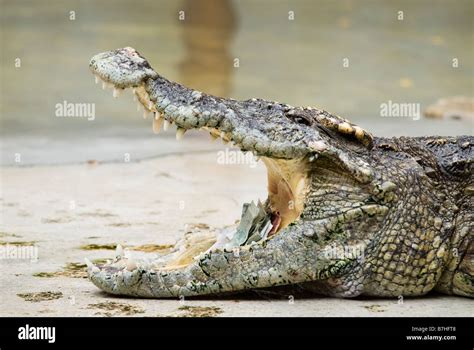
(353, 214)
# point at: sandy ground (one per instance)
(67, 211)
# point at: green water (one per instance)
(297, 61)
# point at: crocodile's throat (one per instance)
(287, 188)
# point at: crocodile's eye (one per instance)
(300, 119)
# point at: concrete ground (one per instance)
(67, 212)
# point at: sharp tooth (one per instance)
(150, 105)
(88, 262)
(134, 90)
(166, 125)
(117, 92)
(145, 114)
(180, 133)
(118, 251)
(91, 266)
(97, 79)
(104, 85)
(135, 98)
(157, 122)
(131, 265)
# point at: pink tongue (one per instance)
(276, 220)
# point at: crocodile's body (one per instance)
(347, 214)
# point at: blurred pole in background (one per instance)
(207, 32)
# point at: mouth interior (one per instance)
(287, 188)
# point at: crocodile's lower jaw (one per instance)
(287, 188)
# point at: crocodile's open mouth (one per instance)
(287, 188)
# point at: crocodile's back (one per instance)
(450, 157)
(455, 154)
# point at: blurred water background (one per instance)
(297, 61)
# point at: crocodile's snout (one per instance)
(121, 68)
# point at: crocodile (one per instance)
(347, 213)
